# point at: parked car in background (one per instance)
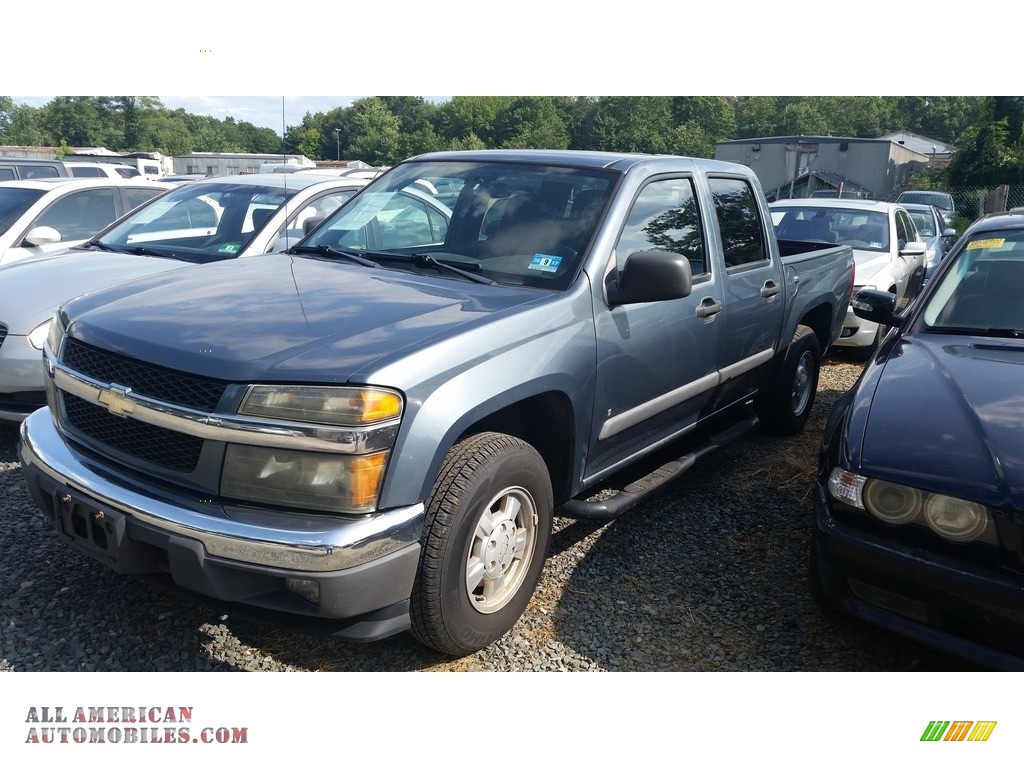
(941, 200)
(933, 232)
(42, 216)
(13, 168)
(89, 170)
(919, 506)
(886, 247)
(208, 220)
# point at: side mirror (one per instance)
(42, 236)
(650, 276)
(876, 306)
(312, 223)
(914, 248)
(949, 232)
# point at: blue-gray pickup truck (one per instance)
(372, 432)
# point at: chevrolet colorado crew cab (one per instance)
(371, 432)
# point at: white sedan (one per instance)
(207, 220)
(887, 250)
(42, 216)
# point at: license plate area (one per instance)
(100, 532)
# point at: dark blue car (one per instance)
(919, 505)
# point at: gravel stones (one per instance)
(707, 575)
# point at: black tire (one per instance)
(493, 495)
(785, 406)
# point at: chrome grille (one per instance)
(153, 381)
(136, 438)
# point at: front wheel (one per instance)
(484, 542)
(785, 406)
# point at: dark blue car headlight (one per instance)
(951, 518)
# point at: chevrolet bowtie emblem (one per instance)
(117, 401)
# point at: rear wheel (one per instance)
(785, 406)
(484, 542)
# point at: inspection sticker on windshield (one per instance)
(229, 248)
(992, 242)
(544, 263)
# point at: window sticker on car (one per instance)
(364, 210)
(993, 242)
(229, 248)
(543, 263)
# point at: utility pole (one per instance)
(337, 136)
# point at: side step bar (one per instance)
(638, 490)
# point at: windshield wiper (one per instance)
(326, 250)
(141, 250)
(426, 260)
(102, 246)
(997, 333)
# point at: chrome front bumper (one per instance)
(263, 538)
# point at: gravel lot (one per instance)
(707, 575)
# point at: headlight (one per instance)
(323, 481)
(955, 519)
(952, 518)
(891, 502)
(37, 336)
(332, 482)
(338, 406)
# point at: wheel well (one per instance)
(819, 320)
(545, 421)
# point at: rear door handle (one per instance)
(769, 289)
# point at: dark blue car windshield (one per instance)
(982, 289)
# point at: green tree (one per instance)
(714, 115)
(461, 116)
(631, 124)
(530, 122)
(757, 116)
(375, 133)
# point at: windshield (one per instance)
(511, 223)
(864, 230)
(199, 222)
(14, 201)
(982, 289)
(938, 199)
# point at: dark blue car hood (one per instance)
(279, 317)
(947, 413)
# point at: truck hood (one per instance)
(949, 411)
(31, 290)
(868, 265)
(280, 317)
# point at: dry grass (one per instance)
(791, 470)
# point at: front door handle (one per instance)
(708, 307)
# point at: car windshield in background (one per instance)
(198, 222)
(14, 201)
(941, 200)
(515, 224)
(864, 230)
(924, 222)
(981, 291)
